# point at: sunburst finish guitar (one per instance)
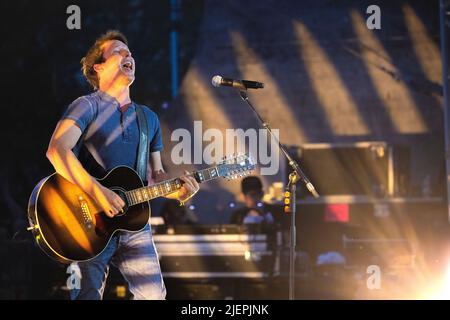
(69, 226)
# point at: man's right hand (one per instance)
(109, 201)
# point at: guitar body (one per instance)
(67, 223)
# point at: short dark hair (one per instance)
(95, 55)
(251, 184)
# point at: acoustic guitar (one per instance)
(68, 225)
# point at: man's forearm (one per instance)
(67, 165)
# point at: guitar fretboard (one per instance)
(167, 187)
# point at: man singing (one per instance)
(106, 122)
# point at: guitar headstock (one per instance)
(236, 166)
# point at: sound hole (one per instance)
(121, 193)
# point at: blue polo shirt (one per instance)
(112, 136)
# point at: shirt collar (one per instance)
(107, 98)
(125, 107)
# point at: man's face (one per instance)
(252, 198)
(118, 67)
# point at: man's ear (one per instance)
(98, 67)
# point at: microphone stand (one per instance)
(290, 201)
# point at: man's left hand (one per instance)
(189, 188)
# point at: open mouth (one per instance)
(127, 66)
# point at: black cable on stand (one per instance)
(290, 201)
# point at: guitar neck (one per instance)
(166, 187)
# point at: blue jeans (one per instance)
(134, 254)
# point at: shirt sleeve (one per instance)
(81, 111)
(155, 137)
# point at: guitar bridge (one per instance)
(85, 212)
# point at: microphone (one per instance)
(218, 81)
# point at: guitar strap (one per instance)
(142, 157)
(143, 152)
